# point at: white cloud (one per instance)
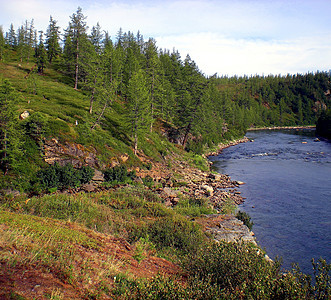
(218, 54)
(223, 36)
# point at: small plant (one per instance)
(245, 217)
(143, 247)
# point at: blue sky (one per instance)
(227, 37)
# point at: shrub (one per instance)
(36, 126)
(176, 232)
(148, 181)
(119, 174)
(245, 217)
(86, 173)
(56, 176)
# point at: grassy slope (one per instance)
(73, 246)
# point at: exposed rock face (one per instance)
(75, 154)
(230, 229)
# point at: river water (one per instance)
(287, 191)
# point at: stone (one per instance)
(24, 115)
(240, 182)
(170, 192)
(88, 187)
(124, 157)
(98, 176)
(208, 189)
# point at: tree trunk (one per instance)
(92, 96)
(76, 67)
(101, 114)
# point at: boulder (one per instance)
(209, 190)
(88, 187)
(24, 115)
(170, 193)
(98, 176)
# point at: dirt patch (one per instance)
(92, 268)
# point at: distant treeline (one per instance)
(157, 84)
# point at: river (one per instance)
(287, 191)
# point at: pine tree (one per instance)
(11, 37)
(138, 106)
(96, 38)
(10, 133)
(2, 44)
(76, 43)
(41, 54)
(52, 40)
(21, 42)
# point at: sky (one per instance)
(227, 37)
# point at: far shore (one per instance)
(282, 127)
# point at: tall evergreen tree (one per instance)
(2, 44)
(138, 106)
(10, 133)
(96, 38)
(11, 37)
(153, 73)
(22, 42)
(41, 54)
(78, 30)
(52, 40)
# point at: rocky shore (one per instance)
(171, 184)
(227, 145)
(281, 127)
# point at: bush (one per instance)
(56, 176)
(86, 173)
(118, 174)
(175, 232)
(36, 126)
(245, 217)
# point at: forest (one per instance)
(157, 84)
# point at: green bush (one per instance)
(56, 176)
(36, 126)
(118, 174)
(245, 217)
(193, 207)
(86, 173)
(148, 181)
(176, 232)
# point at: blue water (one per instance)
(287, 191)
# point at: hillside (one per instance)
(105, 191)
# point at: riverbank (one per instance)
(223, 146)
(282, 127)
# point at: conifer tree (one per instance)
(138, 106)
(52, 40)
(76, 34)
(2, 44)
(21, 42)
(11, 37)
(41, 54)
(153, 71)
(10, 133)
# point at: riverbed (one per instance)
(288, 192)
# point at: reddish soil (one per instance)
(39, 282)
